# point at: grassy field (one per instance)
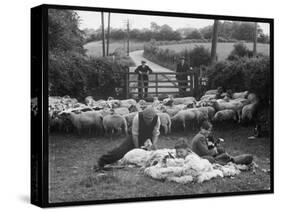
(71, 178)
(223, 49)
(95, 48)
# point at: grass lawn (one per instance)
(223, 49)
(71, 178)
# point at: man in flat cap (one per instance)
(145, 130)
(143, 71)
(183, 69)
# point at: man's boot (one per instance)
(244, 159)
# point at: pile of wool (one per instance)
(162, 165)
(192, 168)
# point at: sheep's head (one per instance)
(133, 108)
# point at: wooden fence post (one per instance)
(127, 82)
(156, 84)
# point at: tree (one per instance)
(63, 31)
(207, 32)
(245, 31)
(195, 34)
(154, 27)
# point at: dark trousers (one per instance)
(143, 82)
(182, 86)
(117, 153)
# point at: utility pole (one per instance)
(255, 40)
(102, 33)
(108, 34)
(214, 42)
(128, 37)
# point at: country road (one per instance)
(137, 58)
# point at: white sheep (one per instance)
(121, 111)
(85, 120)
(184, 116)
(171, 111)
(165, 122)
(184, 100)
(248, 111)
(240, 95)
(225, 115)
(113, 122)
(234, 104)
(209, 111)
(253, 98)
(127, 102)
(211, 92)
(129, 119)
(89, 100)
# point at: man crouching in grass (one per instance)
(145, 127)
(215, 154)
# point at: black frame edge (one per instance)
(36, 120)
(44, 194)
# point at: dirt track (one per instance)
(137, 57)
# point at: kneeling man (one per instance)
(145, 127)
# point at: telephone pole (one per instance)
(255, 40)
(102, 33)
(128, 37)
(108, 34)
(214, 42)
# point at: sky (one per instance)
(92, 20)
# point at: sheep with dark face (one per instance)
(85, 121)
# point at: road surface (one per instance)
(137, 58)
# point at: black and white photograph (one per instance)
(150, 106)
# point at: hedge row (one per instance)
(168, 58)
(79, 76)
(246, 73)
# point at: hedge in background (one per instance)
(196, 57)
(251, 74)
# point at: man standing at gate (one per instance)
(143, 71)
(182, 71)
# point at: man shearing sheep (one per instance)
(145, 129)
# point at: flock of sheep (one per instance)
(105, 117)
